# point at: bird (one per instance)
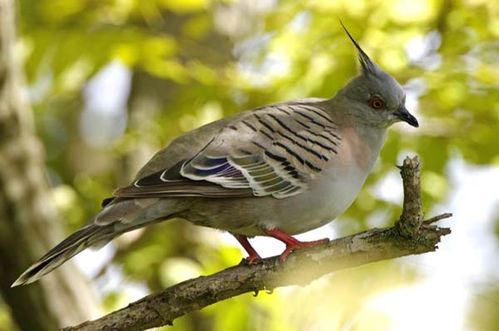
(277, 171)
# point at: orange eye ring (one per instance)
(376, 102)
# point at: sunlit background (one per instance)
(110, 82)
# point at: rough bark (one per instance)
(410, 235)
(28, 222)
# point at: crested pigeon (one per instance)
(277, 170)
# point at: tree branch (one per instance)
(409, 236)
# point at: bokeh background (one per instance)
(110, 82)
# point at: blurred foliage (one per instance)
(484, 316)
(5, 321)
(195, 61)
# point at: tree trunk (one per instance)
(28, 222)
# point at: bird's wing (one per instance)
(275, 150)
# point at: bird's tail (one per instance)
(87, 236)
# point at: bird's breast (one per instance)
(329, 194)
(333, 190)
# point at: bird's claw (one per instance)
(298, 245)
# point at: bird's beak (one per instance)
(405, 116)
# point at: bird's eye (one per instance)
(376, 102)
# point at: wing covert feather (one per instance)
(274, 150)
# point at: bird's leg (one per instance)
(292, 243)
(253, 256)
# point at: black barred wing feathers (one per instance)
(276, 150)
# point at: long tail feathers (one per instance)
(69, 247)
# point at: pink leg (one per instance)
(253, 256)
(291, 243)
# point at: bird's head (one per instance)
(374, 95)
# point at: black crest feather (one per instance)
(368, 66)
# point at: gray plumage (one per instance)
(277, 170)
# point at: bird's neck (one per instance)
(368, 138)
(373, 136)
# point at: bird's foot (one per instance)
(253, 259)
(300, 244)
(292, 243)
(253, 256)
